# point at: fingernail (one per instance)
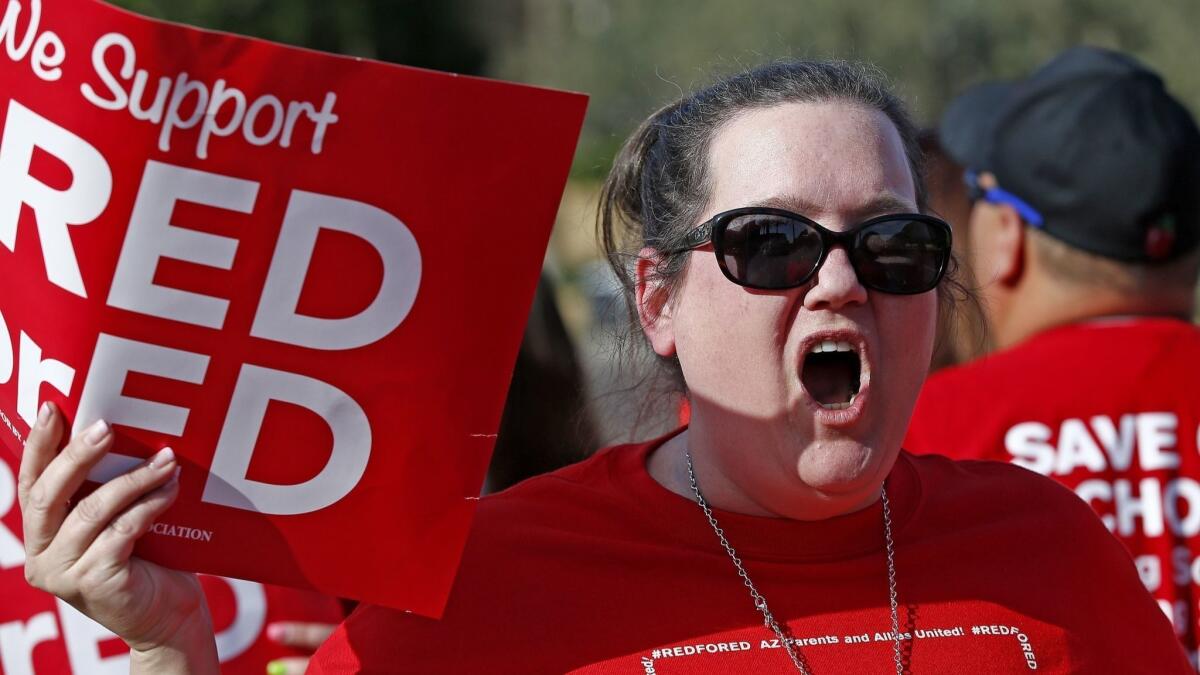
(275, 632)
(97, 432)
(276, 668)
(43, 417)
(162, 458)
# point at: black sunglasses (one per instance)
(773, 249)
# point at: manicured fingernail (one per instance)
(276, 668)
(43, 417)
(97, 432)
(275, 632)
(162, 458)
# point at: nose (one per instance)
(836, 285)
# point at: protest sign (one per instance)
(307, 274)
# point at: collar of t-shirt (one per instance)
(1148, 321)
(755, 537)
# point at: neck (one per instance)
(1033, 308)
(668, 466)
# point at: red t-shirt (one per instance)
(597, 568)
(41, 634)
(1109, 408)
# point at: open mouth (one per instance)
(831, 374)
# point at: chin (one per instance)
(841, 468)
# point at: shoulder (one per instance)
(1025, 541)
(1037, 527)
(972, 480)
(969, 491)
(1034, 523)
(503, 580)
(578, 488)
(594, 471)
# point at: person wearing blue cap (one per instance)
(1084, 236)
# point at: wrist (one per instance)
(190, 650)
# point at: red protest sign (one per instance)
(307, 274)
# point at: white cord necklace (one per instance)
(760, 602)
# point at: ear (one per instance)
(996, 244)
(1010, 246)
(653, 306)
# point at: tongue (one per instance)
(831, 377)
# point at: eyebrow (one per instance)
(881, 204)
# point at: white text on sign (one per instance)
(150, 238)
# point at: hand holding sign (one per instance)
(83, 555)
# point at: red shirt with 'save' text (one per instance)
(1109, 408)
(597, 568)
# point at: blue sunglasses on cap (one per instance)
(996, 195)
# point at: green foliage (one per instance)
(426, 34)
(634, 55)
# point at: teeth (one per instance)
(831, 346)
(839, 406)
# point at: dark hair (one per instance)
(659, 182)
(547, 423)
